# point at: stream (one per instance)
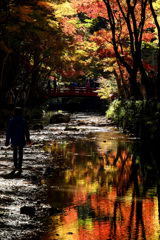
(85, 180)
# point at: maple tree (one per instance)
(128, 25)
(76, 39)
(80, 56)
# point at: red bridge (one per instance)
(73, 91)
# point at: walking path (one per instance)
(22, 194)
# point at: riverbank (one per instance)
(142, 118)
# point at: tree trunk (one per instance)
(135, 90)
(158, 29)
(135, 45)
(158, 76)
(145, 81)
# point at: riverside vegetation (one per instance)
(142, 118)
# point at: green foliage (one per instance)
(141, 118)
(89, 22)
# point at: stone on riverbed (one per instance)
(60, 118)
(28, 210)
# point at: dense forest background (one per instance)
(116, 43)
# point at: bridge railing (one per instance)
(79, 91)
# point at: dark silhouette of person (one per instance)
(49, 85)
(55, 85)
(18, 132)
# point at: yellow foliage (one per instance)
(81, 52)
(53, 24)
(64, 9)
(156, 5)
(107, 87)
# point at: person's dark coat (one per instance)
(17, 131)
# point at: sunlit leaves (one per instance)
(75, 37)
(107, 87)
(63, 10)
(68, 27)
(156, 7)
(119, 10)
(53, 24)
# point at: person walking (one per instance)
(55, 84)
(18, 132)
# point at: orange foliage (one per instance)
(97, 8)
(23, 13)
(45, 5)
(67, 27)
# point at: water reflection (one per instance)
(104, 191)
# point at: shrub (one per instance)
(141, 118)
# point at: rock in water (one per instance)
(60, 118)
